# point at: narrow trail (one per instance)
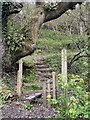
(43, 74)
(16, 109)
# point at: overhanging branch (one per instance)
(62, 7)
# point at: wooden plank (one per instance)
(49, 92)
(32, 92)
(36, 83)
(44, 94)
(64, 65)
(19, 79)
(18, 84)
(20, 68)
(43, 69)
(49, 87)
(64, 72)
(54, 84)
(33, 97)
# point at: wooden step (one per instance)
(44, 70)
(43, 79)
(31, 97)
(39, 63)
(30, 92)
(46, 75)
(41, 66)
(39, 59)
(36, 83)
(42, 74)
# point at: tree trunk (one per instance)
(11, 55)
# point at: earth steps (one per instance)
(43, 74)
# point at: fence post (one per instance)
(64, 65)
(19, 79)
(49, 92)
(64, 75)
(54, 84)
(20, 68)
(44, 94)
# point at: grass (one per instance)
(27, 106)
(32, 87)
(29, 75)
(29, 79)
(53, 60)
(50, 40)
(28, 61)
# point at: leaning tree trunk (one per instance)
(19, 36)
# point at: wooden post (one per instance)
(19, 79)
(64, 65)
(20, 68)
(49, 88)
(49, 92)
(54, 84)
(64, 75)
(44, 94)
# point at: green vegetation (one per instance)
(50, 44)
(53, 61)
(28, 61)
(2, 99)
(75, 96)
(28, 106)
(29, 75)
(52, 41)
(73, 100)
(15, 39)
(32, 87)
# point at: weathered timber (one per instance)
(44, 94)
(54, 84)
(64, 65)
(33, 97)
(19, 79)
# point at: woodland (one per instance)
(36, 33)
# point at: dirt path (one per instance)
(16, 110)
